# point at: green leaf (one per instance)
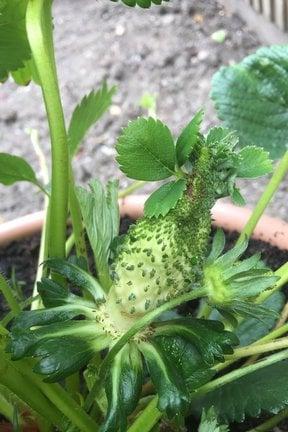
(100, 214)
(14, 169)
(188, 138)
(142, 3)
(265, 390)
(209, 422)
(14, 45)
(252, 329)
(253, 162)
(252, 98)
(146, 150)
(77, 276)
(123, 388)
(87, 113)
(165, 198)
(209, 337)
(170, 385)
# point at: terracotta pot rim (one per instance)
(227, 216)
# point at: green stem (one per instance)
(211, 386)
(40, 35)
(268, 425)
(23, 388)
(6, 409)
(148, 419)
(62, 400)
(131, 188)
(259, 349)
(266, 197)
(8, 295)
(239, 373)
(138, 326)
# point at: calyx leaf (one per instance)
(164, 199)
(146, 150)
(188, 138)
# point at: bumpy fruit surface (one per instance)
(158, 257)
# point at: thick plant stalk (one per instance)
(39, 31)
(268, 425)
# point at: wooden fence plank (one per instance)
(280, 14)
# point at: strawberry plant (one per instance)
(106, 345)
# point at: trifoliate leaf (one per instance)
(87, 113)
(209, 422)
(265, 390)
(188, 138)
(146, 150)
(123, 388)
(251, 97)
(142, 3)
(77, 276)
(253, 162)
(169, 384)
(252, 329)
(100, 214)
(14, 169)
(209, 337)
(164, 199)
(14, 45)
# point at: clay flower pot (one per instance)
(227, 216)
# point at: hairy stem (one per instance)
(39, 31)
(266, 197)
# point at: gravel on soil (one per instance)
(167, 51)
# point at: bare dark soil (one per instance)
(166, 50)
(22, 257)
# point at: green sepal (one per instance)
(53, 294)
(123, 388)
(39, 317)
(252, 329)
(100, 212)
(24, 341)
(170, 385)
(186, 359)
(188, 138)
(61, 357)
(77, 276)
(164, 199)
(209, 337)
